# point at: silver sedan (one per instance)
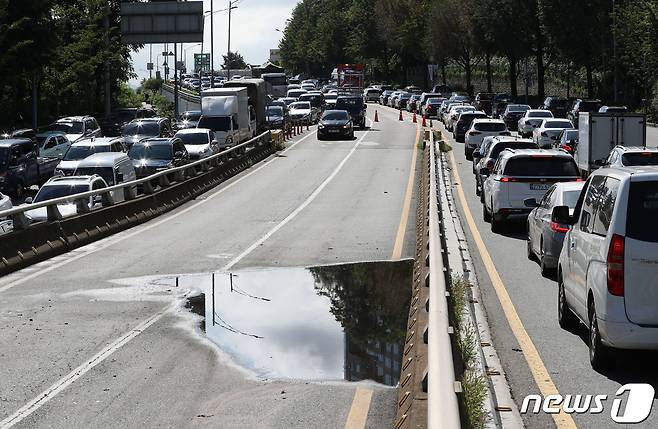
(545, 237)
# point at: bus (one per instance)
(277, 82)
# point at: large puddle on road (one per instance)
(321, 323)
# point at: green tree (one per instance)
(234, 61)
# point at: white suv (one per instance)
(608, 266)
(520, 175)
(481, 128)
(628, 156)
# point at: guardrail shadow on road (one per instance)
(160, 193)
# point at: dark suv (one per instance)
(157, 154)
(464, 123)
(557, 105)
(484, 101)
(140, 129)
(355, 106)
(583, 106)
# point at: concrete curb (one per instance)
(500, 405)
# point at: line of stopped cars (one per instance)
(588, 196)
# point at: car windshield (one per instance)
(349, 102)
(570, 198)
(558, 102)
(148, 151)
(541, 166)
(196, 138)
(50, 192)
(107, 173)
(498, 148)
(335, 116)
(301, 105)
(274, 111)
(642, 211)
(72, 127)
(76, 152)
(640, 158)
(215, 123)
(490, 126)
(558, 124)
(540, 114)
(588, 106)
(142, 129)
(41, 140)
(330, 97)
(571, 135)
(191, 116)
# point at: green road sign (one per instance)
(201, 62)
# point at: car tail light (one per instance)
(508, 179)
(615, 264)
(556, 227)
(474, 133)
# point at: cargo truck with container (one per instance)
(226, 111)
(257, 98)
(599, 133)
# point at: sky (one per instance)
(253, 33)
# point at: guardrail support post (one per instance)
(54, 214)
(164, 181)
(20, 220)
(129, 193)
(148, 188)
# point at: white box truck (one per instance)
(599, 133)
(226, 111)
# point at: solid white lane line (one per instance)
(301, 207)
(45, 267)
(78, 372)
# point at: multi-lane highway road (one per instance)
(98, 337)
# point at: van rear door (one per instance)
(641, 253)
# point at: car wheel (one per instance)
(486, 216)
(319, 137)
(496, 224)
(477, 190)
(600, 356)
(481, 193)
(565, 317)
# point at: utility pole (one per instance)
(108, 85)
(150, 60)
(176, 74)
(228, 54)
(212, 46)
(614, 48)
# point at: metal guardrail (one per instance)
(442, 401)
(164, 179)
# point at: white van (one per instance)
(609, 263)
(114, 167)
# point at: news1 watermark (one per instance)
(630, 404)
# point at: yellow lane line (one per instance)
(537, 367)
(358, 415)
(406, 207)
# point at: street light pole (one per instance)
(228, 54)
(212, 50)
(614, 48)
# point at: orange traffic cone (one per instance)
(414, 119)
(376, 117)
(401, 118)
(424, 124)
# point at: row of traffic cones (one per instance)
(414, 119)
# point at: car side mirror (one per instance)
(214, 142)
(179, 154)
(561, 215)
(530, 202)
(28, 200)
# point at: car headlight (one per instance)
(346, 126)
(320, 126)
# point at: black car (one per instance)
(464, 123)
(558, 106)
(484, 101)
(512, 114)
(355, 106)
(583, 106)
(111, 126)
(276, 117)
(499, 104)
(152, 155)
(141, 129)
(335, 123)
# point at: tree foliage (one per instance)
(234, 61)
(394, 37)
